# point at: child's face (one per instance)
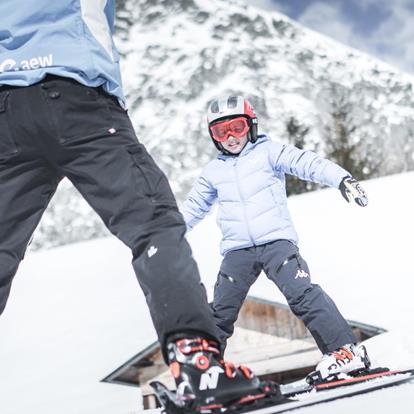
(235, 145)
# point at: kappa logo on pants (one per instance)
(301, 273)
(209, 379)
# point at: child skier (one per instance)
(248, 180)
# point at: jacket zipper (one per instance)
(243, 203)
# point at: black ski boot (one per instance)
(205, 382)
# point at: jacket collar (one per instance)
(246, 150)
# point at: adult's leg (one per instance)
(287, 269)
(26, 185)
(238, 271)
(122, 183)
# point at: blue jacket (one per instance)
(70, 38)
(251, 193)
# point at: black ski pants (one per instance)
(284, 266)
(60, 128)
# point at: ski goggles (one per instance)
(236, 127)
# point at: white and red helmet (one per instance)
(227, 107)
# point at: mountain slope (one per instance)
(307, 89)
(180, 54)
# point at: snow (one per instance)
(76, 312)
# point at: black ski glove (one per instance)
(351, 190)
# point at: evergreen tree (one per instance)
(343, 143)
(297, 136)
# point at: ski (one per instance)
(323, 395)
(293, 396)
(312, 383)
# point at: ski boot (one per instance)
(350, 359)
(206, 383)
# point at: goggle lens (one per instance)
(237, 127)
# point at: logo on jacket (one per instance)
(209, 379)
(34, 62)
(7, 64)
(301, 273)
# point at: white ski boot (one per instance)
(349, 358)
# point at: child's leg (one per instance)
(285, 267)
(238, 271)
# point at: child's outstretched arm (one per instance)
(309, 166)
(198, 202)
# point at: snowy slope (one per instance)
(76, 312)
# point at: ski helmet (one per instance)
(227, 107)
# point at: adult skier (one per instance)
(248, 181)
(62, 114)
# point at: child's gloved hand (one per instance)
(351, 190)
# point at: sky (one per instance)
(382, 28)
